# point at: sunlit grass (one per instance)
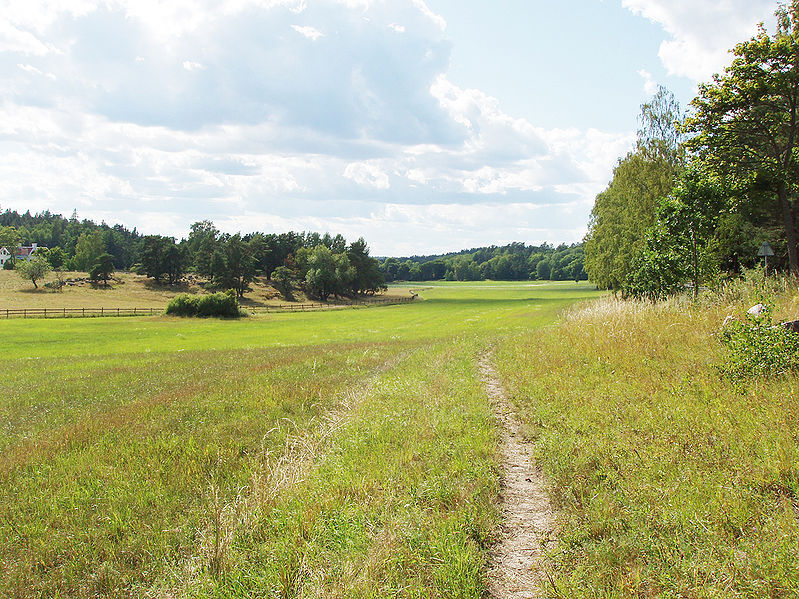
(346, 453)
(670, 480)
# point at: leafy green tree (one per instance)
(543, 270)
(161, 258)
(284, 279)
(232, 264)
(328, 273)
(34, 269)
(746, 122)
(88, 249)
(102, 269)
(368, 278)
(200, 247)
(10, 239)
(681, 245)
(56, 258)
(627, 208)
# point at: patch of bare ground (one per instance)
(517, 560)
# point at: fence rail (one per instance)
(76, 312)
(106, 312)
(320, 306)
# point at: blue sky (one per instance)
(423, 126)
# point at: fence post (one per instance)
(117, 311)
(83, 312)
(101, 310)
(25, 313)
(45, 312)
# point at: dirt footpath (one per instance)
(517, 568)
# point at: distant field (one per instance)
(127, 290)
(348, 453)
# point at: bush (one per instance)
(760, 348)
(213, 304)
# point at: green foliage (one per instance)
(625, 211)
(56, 257)
(512, 262)
(232, 264)
(89, 247)
(758, 347)
(162, 258)
(284, 280)
(34, 269)
(102, 269)
(10, 239)
(680, 246)
(328, 273)
(223, 304)
(746, 123)
(368, 278)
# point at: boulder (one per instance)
(756, 310)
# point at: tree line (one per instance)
(703, 189)
(320, 264)
(512, 262)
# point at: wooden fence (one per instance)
(321, 306)
(77, 312)
(105, 312)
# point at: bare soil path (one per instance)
(517, 568)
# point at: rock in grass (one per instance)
(791, 325)
(756, 310)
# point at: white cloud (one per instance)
(702, 33)
(175, 112)
(367, 174)
(650, 85)
(309, 32)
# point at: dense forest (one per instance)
(512, 262)
(321, 264)
(693, 203)
(231, 261)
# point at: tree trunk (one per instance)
(789, 222)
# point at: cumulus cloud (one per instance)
(650, 85)
(702, 33)
(159, 114)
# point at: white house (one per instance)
(24, 252)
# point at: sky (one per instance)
(424, 126)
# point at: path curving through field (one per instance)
(517, 568)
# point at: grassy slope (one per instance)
(343, 454)
(127, 290)
(671, 481)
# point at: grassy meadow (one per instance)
(354, 453)
(670, 480)
(348, 453)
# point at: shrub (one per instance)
(759, 348)
(213, 304)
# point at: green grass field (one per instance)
(346, 453)
(670, 480)
(354, 453)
